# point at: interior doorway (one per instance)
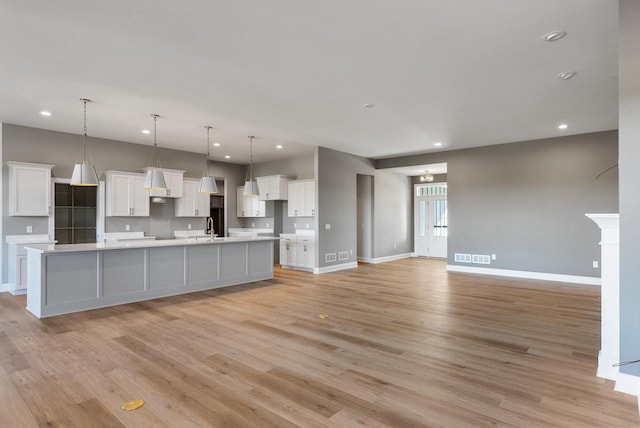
(431, 220)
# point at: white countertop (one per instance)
(77, 248)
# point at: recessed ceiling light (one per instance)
(566, 75)
(554, 36)
(146, 131)
(279, 146)
(368, 105)
(438, 144)
(563, 126)
(216, 144)
(227, 157)
(45, 113)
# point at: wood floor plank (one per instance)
(406, 343)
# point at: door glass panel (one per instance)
(422, 218)
(440, 218)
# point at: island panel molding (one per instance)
(71, 278)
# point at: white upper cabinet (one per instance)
(125, 195)
(29, 189)
(302, 198)
(192, 203)
(251, 206)
(174, 179)
(273, 187)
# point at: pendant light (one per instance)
(155, 177)
(426, 177)
(207, 182)
(251, 185)
(84, 174)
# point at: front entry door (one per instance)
(430, 215)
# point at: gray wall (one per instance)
(525, 202)
(365, 215)
(629, 75)
(62, 150)
(337, 206)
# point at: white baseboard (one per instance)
(335, 268)
(605, 367)
(628, 384)
(384, 259)
(573, 279)
(4, 287)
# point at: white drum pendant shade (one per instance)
(155, 180)
(84, 175)
(208, 185)
(251, 188)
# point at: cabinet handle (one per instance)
(313, 212)
(242, 214)
(296, 212)
(196, 212)
(305, 248)
(168, 192)
(49, 209)
(257, 212)
(133, 210)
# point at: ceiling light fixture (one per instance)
(426, 177)
(250, 184)
(438, 144)
(279, 146)
(155, 177)
(566, 75)
(45, 113)
(554, 36)
(207, 182)
(84, 174)
(227, 157)
(216, 144)
(563, 126)
(368, 105)
(146, 131)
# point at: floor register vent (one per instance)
(330, 257)
(343, 255)
(482, 259)
(462, 258)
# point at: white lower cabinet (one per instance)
(17, 258)
(297, 252)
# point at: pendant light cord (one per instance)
(206, 164)
(155, 141)
(84, 144)
(251, 137)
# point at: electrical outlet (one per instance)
(395, 246)
(327, 226)
(127, 227)
(29, 229)
(595, 264)
(493, 257)
(307, 225)
(267, 225)
(253, 225)
(351, 252)
(189, 226)
(295, 225)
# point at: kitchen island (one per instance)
(72, 278)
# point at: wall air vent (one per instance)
(343, 255)
(329, 257)
(462, 258)
(482, 259)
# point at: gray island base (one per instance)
(71, 278)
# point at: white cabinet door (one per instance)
(265, 186)
(21, 280)
(125, 195)
(294, 199)
(249, 206)
(309, 199)
(138, 197)
(305, 255)
(192, 203)
(118, 195)
(284, 259)
(29, 189)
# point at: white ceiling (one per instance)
(463, 72)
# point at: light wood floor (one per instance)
(406, 344)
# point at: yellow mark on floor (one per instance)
(323, 316)
(132, 404)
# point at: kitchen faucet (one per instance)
(210, 227)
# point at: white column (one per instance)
(609, 294)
